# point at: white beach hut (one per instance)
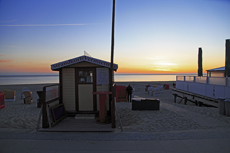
(216, 72)
(79, 77)
(82, 82)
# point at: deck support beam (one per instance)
(175, 96)
(197, 99)
(185, 100)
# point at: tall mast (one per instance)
(112, 46)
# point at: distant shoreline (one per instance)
(52, 79)
(35, 75)
(27, 75)
(118, 83)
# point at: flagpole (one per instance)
(112, 47)
(111, 81)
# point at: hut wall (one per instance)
(68, 86)
(105, 87)
(217, 74)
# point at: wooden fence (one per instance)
(201, 90)
(213, 87)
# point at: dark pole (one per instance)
(111, 97)
(112, 47)
(227, 58)
(200, 68)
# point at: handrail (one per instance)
(224, 81)
(214, 87)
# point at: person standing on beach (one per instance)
(129, 90)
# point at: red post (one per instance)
(103, 109)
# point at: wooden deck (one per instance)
(70, 124)
(198, 99)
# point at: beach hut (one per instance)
(216, 72)
(79, 78)
(84, 92)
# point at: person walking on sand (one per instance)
(129, 90)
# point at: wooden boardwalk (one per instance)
(70, 124)
(198, 99)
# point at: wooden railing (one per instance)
(213, 87)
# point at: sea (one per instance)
(43, 79)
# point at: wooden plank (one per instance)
(195, 97)
(60, 87)
(68, 88)
(70, 124)
(208, 102)
(44, 114)
(176, 91)
(48, 115)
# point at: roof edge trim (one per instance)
(81, 59)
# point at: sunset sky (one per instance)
(151, 36)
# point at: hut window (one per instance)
(85, 77)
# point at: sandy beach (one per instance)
(171, 116)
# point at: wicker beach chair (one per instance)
(154, 90)
(5, 90)
(9, 95)
(24, 89)
(28, 97)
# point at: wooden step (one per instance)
(85, 116)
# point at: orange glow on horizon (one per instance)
(134, 68)
(28, 67)
(148, 71)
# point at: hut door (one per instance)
(85, 87)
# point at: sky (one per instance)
(151, 36)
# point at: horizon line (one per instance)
(114, 73)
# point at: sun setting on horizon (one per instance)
(151, 36)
